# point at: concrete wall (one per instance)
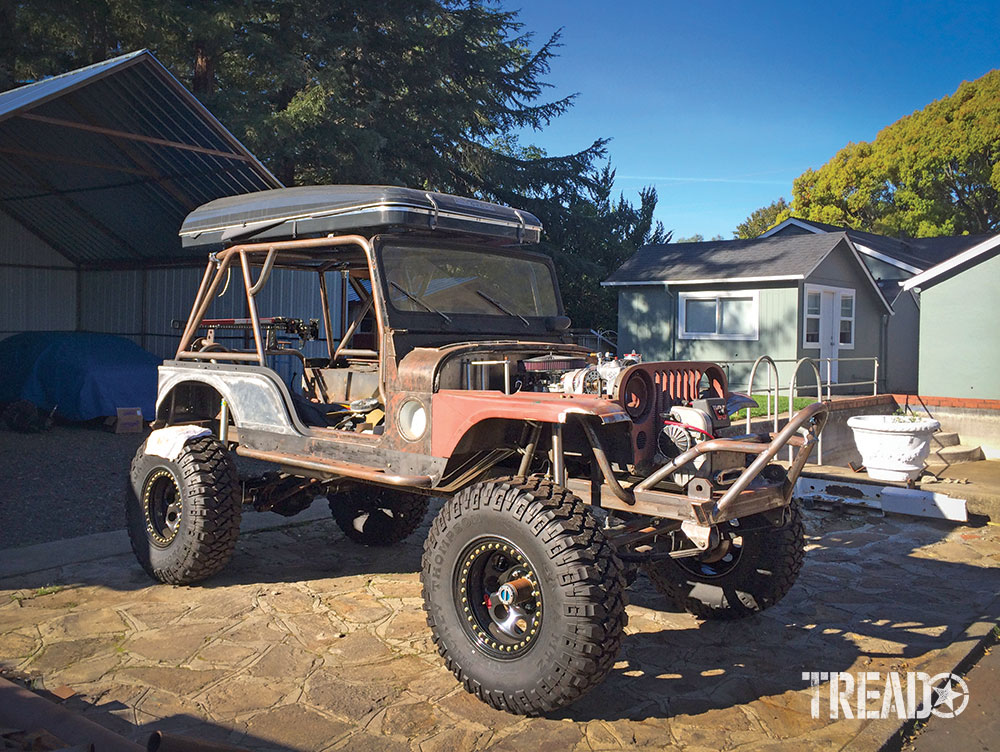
(838, 438)
(975, 426)
(960, 334)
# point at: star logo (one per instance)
(952, 696)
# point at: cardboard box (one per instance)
(129, 420)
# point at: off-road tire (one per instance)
(767, 567)
(391, 515)
(579, 579)
(209, 518)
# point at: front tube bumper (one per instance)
(747, 495)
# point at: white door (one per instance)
(829, 331)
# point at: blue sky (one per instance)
(721, 105)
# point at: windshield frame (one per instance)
(477, 323)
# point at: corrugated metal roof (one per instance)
(104, 162)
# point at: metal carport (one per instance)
(98, 167)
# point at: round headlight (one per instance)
(412, 420)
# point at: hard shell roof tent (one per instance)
(319, 210)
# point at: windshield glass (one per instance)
(446, 280)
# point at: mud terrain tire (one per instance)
(184, 515)
(513, 531)
(768, 563)
(376, 516)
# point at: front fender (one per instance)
(454, 412)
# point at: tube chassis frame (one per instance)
(329, 455)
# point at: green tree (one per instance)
(331, 90)
(427, 93)
(761, 220)
(696, 238)
(589, 237)
(935, 172)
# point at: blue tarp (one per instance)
(83, 375)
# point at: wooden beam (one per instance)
(74, 161)
(135, 137)
(132, 152)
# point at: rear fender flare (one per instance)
(257, 397)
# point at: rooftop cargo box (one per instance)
(318, 210)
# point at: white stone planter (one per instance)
(893, 447)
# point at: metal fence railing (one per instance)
(818, 384)
(823, 369)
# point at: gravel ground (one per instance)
(66, 482)
(62, 483)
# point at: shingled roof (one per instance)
(920, 253)
(756, 260)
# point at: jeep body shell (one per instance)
(418, 355)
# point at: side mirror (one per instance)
(557, 323)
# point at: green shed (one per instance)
(731, 301)
(959, 321)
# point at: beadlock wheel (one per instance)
(499, 597)
(525, 597)
(162, 507)
(184, 513)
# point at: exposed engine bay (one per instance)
(664, 426)
(572, 375)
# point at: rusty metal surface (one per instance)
(338, 469)
(663, 504)
(456, 411)
(749, 494)
(663, 384)
(816, 413)
(20, 708)
(419, 369)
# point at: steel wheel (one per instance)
(718, 564)
(752, 570)
(498, 593)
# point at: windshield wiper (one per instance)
(502, 307)
(420, 303)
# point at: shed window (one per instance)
(718, 315)
(812, 330)
(847, 320)
(813, 308)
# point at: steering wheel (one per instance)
(203, 345)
